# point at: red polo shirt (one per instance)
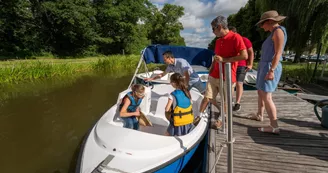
(228, 46)
(248, 45)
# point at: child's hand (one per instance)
(137, 112)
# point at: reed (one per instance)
(30, 70)
(39, 70)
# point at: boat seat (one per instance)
(117, 119)
(158, 117)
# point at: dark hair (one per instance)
(232, 28)
(180, 83)
(168, 54)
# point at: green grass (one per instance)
(16, 71)
(301, 71)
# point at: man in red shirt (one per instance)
(229, 47)
(243, 67)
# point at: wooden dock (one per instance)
(302, 145)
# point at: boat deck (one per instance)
(302, 145)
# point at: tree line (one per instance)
(306, 24)
(84, 27)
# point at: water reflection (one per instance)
(40, 131)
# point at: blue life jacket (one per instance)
(133, 106)
(182, 113)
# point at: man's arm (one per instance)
(155, 77)
(242, 56)
(239, 46)
(211, 67)
(187, 77)
(250, 59)
(167, 70)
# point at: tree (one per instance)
(17, 29)
(164, 26)
(245, 21)
(80, 27)
(118, 25)
(68, 26)
(306, 20)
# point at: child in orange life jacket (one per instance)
(129, 107)
(178, 109)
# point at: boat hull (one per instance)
(179, 164)
(108, 146)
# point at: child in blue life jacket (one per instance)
(178, 109)
(129, 107)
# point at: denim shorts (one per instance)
(241, 73)
(130, 122)
(199, 86)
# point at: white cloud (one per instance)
(191, 22)
(202, 9)
(227, 7)
(159, 1)
(198, 15)
(200, 30)
(196, 40)
(195, 7)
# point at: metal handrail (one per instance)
(230, 140)
(225, 109)
(133, 80)
(222, 110)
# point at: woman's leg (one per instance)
(270, 107)
(260, 104)
(260, 108)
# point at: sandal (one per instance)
(196, 120)
(274, 130)
(217, 125)
(256, 117)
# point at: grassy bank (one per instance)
(16, 71)
(301, 71)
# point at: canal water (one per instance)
(42, 124)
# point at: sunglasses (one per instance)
(213, 28)
(140, 94)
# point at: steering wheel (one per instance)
(149, 83)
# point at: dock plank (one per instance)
(302, 145)
(312, 97)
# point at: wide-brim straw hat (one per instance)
(271, 15)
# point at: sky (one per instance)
(198, 15)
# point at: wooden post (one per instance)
(323, 67)
(316, 63)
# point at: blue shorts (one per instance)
(199, 86)
(130, 122)
(241, 74)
